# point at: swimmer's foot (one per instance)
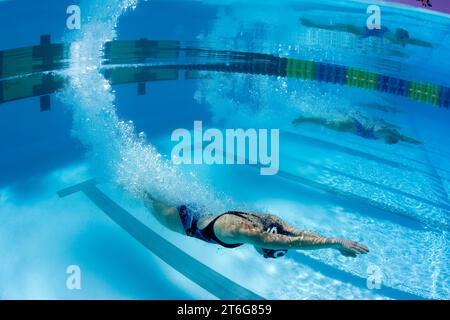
(306, 22)
(147, 196)
(298, 121)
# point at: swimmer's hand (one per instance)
(410, 140)
(350, 248)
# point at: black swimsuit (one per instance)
(207, 234)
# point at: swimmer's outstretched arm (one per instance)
(409, 139)
(412, 41)
(404, 138)
(290, 229)
(295, 232)
(418, 42)
(304, 242)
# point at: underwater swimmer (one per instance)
(270, 235)
(360, 126)
(400, 36)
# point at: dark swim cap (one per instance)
(270, 253)
(274, 254)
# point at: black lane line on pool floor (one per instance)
(202, 275)
(372, 208)
(439, 189)
(374, 184)
(347, 277)
(361, 154)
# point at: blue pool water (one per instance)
(393, 198)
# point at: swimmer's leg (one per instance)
(337, 125)
(349, 29)
(313, 120)
(158, 205)
(309, 23)
(333, 27)
(165, 213)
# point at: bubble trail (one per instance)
(116, 152)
